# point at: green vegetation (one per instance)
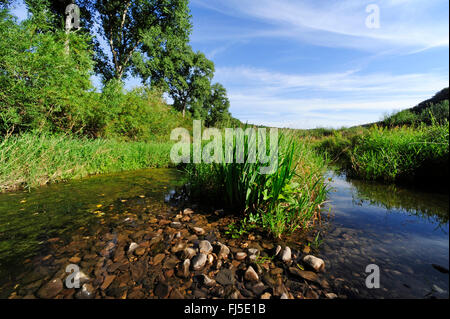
(47, 97)
(55, 125)
(407, 153)
(280, 202)
(434, 113)
(32, 160)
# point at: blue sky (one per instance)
(315, 63)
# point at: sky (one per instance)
(317, 63)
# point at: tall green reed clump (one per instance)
(282, 201)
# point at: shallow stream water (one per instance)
(403, 232)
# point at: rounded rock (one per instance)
(316, 263)
(250, 274)
(286, 255)
(199, 261)
(205, 247)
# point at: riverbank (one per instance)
(413, 154)
(30, 160)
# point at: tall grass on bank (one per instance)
(393, 154)
(32, 160)
(280, 202)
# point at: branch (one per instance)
(114, 53)
(122, 23)
(131, 53)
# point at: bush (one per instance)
(41, 87)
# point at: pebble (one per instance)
(308, 275)
(316, 263)
(188, 253)
(188, 211)
(251, 275)
(139, 251)
(277, 250)
(223, 252)
(87, 291)
(158, 258)
(178, 247)
(266, 296)
(198, 231)
(175, 225)
(286, 255)
(241, 256)
(205, 247)
(108, 280)
(186, 266)
(50, 289)
(132, 247)
(199, 261)
(75, 260)
(276, 271)
(210, 259)
(208, 282)
(225, 277)
(258, 288)
(331, 296)
(162, 290)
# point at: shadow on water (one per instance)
(29, 219)
(403, 231)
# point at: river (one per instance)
(402, 231)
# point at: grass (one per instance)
(404, 153)
(32, 160)
(281, 202)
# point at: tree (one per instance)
(188, 79)
(58, 8)
(123, 24)
(218, 105)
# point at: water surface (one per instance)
(29, 219)
(403, 231)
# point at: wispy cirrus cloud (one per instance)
(408, 24)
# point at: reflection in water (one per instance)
(404, 232)
(29, 219)
(425, 205)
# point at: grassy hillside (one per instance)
(435, 109)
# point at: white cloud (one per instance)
(404, 24)
(327, 99)
(352, 81)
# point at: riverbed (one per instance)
(402, 231)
